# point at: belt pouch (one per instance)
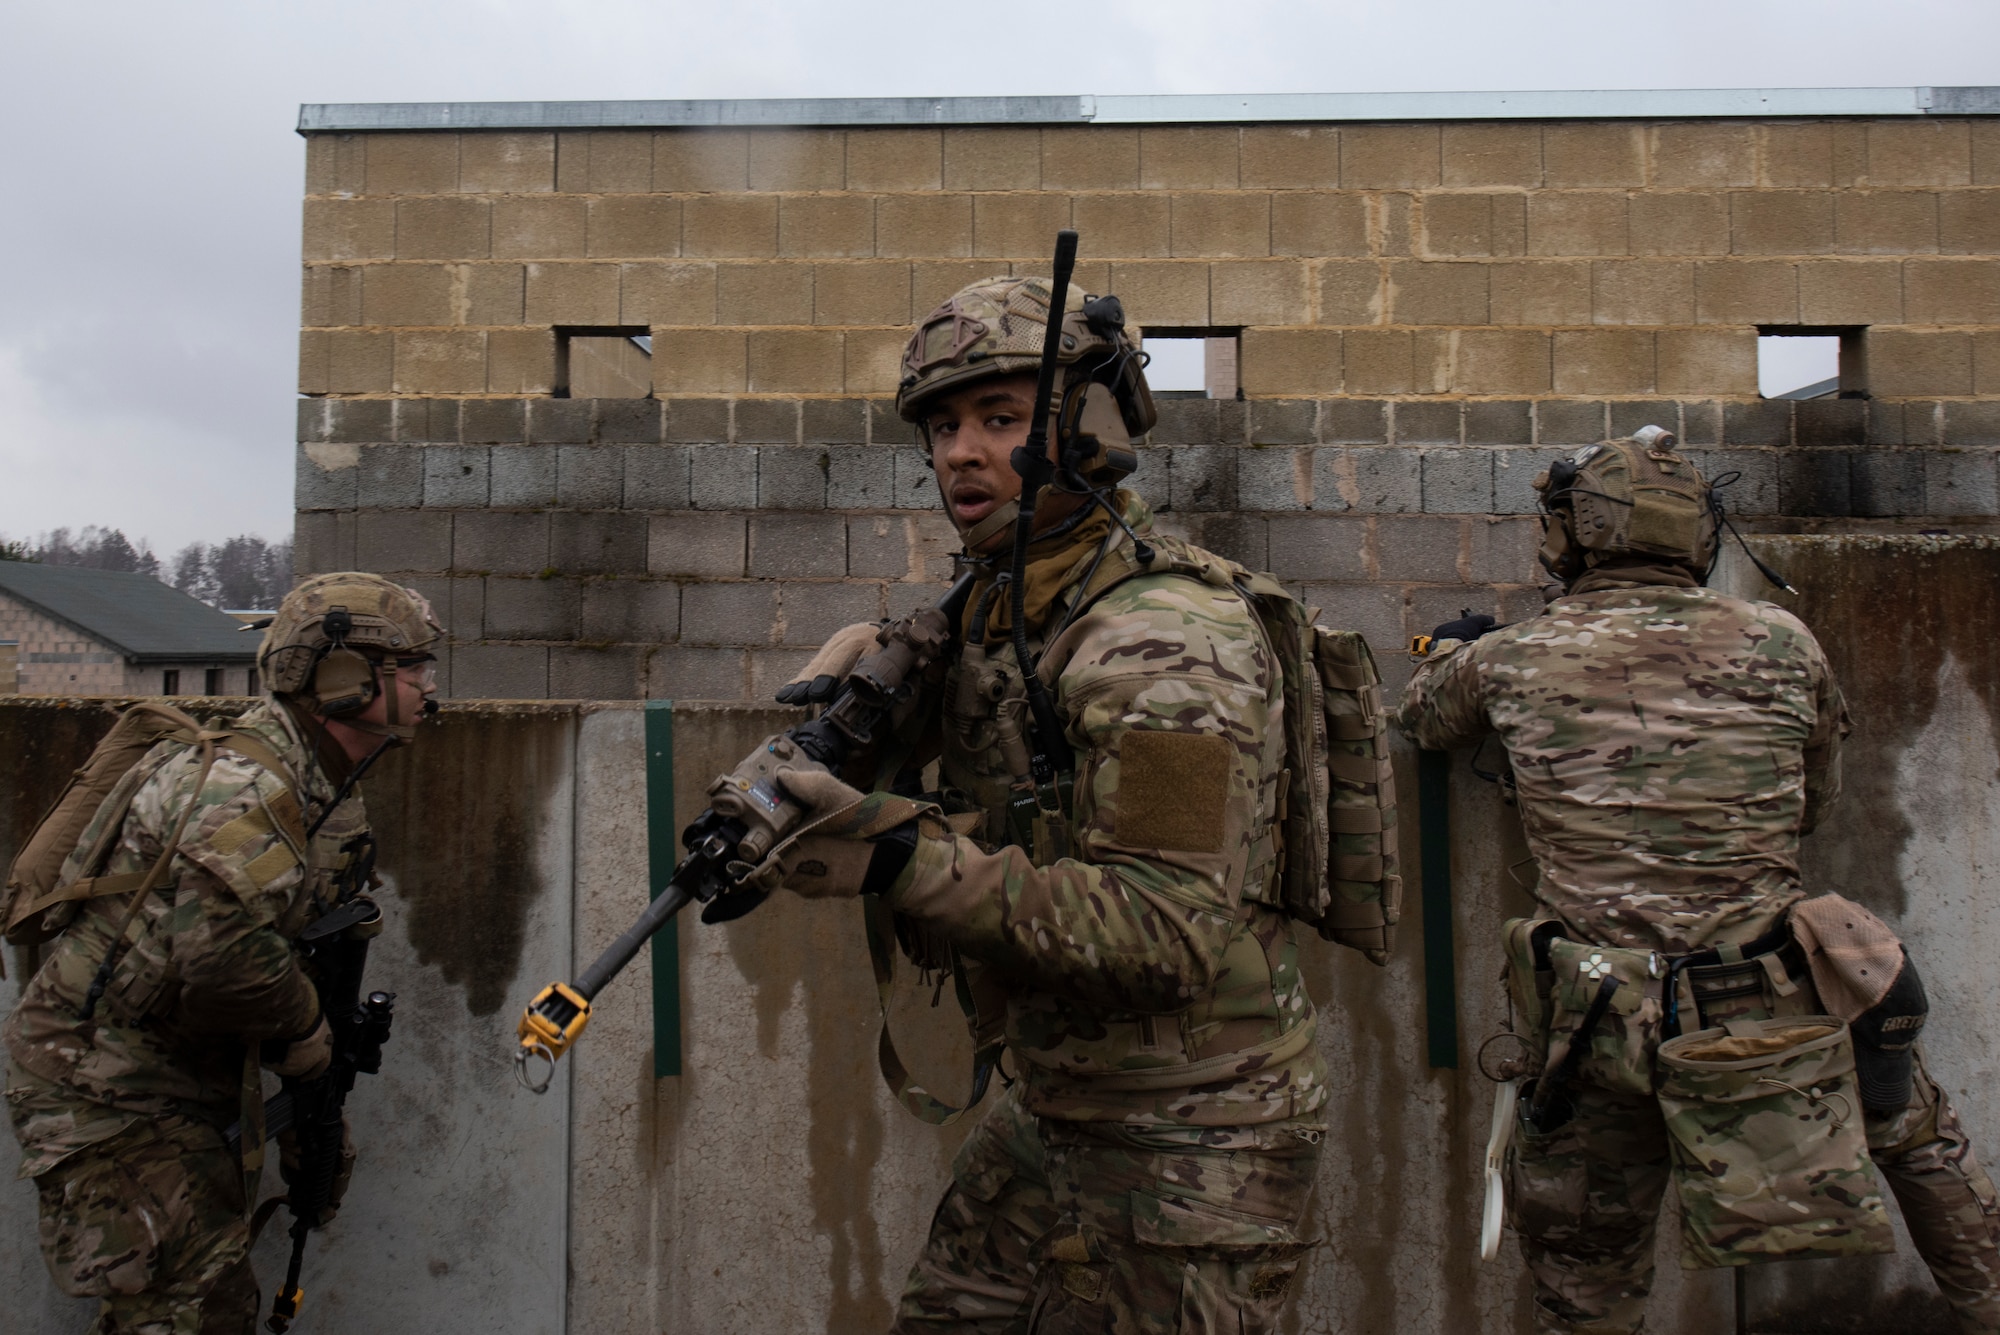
(1621, 1050)
(1528, 986)
(1769, 1154)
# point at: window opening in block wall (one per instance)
(170, 682)
(1193, 363)
(1810, 362)
(211, 681)
(604, 363)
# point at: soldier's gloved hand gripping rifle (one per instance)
(749, 812)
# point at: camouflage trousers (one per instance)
(1062, 1228)
(1586, 1200)
(151, 1224)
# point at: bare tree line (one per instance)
(240, 572)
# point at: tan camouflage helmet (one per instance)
(337, 622)
(995, 327)
(1630, 498)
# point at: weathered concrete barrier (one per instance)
(774, 1186)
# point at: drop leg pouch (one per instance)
(1769, 1153)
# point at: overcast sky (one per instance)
(149, 226)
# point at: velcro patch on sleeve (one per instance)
(1172, 788)
(269, 865)
(240, 831)
(284, 809)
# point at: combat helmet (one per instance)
(995, 327)
(331, 636)
(1630, 498)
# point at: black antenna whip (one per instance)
(1031, 461)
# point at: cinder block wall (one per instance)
(1429, 312)
(53, 658)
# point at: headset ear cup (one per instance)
(343, 683)
(1559, 555)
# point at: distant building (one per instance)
(104, 632)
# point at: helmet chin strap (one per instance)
(1001, 520)
(1009, 513)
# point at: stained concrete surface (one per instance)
(775, 1186)
(1908, 624)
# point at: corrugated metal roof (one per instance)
(1150, 109)
(143, 619)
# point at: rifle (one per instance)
(748, 815)
(337, 946)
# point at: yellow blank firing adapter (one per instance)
(1420, 646)
(285, 1309)
(550, 1024)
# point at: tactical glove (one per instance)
(849, 843)
(306, 1058)
(819, 679)
(1467, 627)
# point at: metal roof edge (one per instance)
(786, 111)
(1970, 101)
(1586, 104)
(1143, 109)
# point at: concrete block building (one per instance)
(65, 630)
(1416, 300)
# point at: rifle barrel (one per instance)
(620, 952)
(557, 1015)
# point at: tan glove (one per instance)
(819, 679)
(288, 1166)
(308, 1057)
(829, 855)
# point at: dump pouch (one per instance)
(1620, 1056)
(1769, 1153)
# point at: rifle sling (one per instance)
(278, 1113)
(920, 1102)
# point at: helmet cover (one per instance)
(996, 327)
(1624, 498)
(370, 616)
(988, 328)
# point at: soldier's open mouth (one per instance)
(969, 505)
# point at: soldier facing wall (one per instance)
(1426, 311)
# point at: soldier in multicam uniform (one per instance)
(1668, 746)
(121, 1116)
(1149, 1169)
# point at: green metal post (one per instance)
(662, 853)
(1440, 972)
